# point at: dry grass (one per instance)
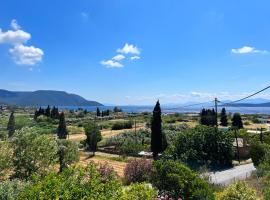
(118, 166)
(106, 133)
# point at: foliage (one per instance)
(74, 183)
(10, 189)
(137, 170)
(68, 153)
(223, 118)
(93, 136)
(203, 145)
(129, 143)
(208, 117)
(98, 112)
(33, 153)
(237, 121)
(11, 125)
(178, 181)
(258, 151)
(156, 132)
(5, 157)
(62, 129)
(138, 191)
(237, 191)
(122, 125)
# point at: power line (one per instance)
(190, 105)
(246, 96)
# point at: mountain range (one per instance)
(44, 98)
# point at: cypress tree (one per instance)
(11, 125)
(62, 129)
(223, 118)
(98, 112)
(48, 111)
(237, 121)
(156, 131)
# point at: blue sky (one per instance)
(175, 51)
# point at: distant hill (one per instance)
(44, 98)
(249, 104)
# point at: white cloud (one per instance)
(135, 57)
(111, 64)
(129, 49)
(119, 57)
(247, 49)
(14, 37)
(26, 55)
(14, 25)
(20, 53)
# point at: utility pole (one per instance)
(216, 102)
(261, 135)
(237, 146)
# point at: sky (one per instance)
(134, 52)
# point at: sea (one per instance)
(170, 109)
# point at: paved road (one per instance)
(230, 175)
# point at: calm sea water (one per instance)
(138, 109)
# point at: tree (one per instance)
(156, 131)
(237, 121)
(175, 180)
(48, 111)
(62, 131)
(93, 136)
(68, 153)
(203, 145)
(33, 153)
(98, 112)
(36, 115)
(208, 117)
(11, 125)
(223, 118)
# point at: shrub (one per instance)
(73, 183)
(122, 125)
(93, 136)
(138, 191)
(137, 170)
(239, 191)
(5, 157)
(178, 181)
(203, 145)
(33, 153)
(9, 190)
(258, 151)
(68, 153)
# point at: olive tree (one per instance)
(33, 153)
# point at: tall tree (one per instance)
(93, 136)
(237, 121)
(62, 128)
(223, 118)
(98, 112)
(48, 111)
(156, 131)
(11, 125)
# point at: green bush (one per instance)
(122, 125)
(138, 191)
(74, 183)
(178, 181)
(33, 153)
(202, 145)
(10, 189)
(238, 191)
(6, 152)
(258, 151)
